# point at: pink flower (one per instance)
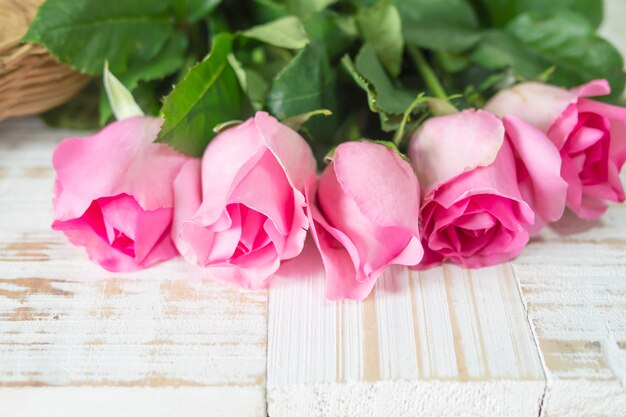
(240, 211)
(488, 185)
(590, 135)
(364, 217)
(113, 194)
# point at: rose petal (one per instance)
(536, 103)
(125, 152)
(388, 194)
(289, 148)
(187, 200)
(447, 146)
(592, 88)
(540, 183)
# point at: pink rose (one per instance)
(590, 135)
(488, 184)
(364, 216)
(113, 194)
(240, 211)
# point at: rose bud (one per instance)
(486, 182)
(591, 137)
(240, 211)
(113, 194)
(364, 215)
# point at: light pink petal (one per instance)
(603, 109)
(538, 104)
(590, 208)
(294, 241)
(563, 126)
(224, 243)
(541, 184)
(497, 179)
(339, 255)
(265, 189)
(253, 271)
(289, 148)
(376, 245)
(120, 159)
(618, 143)
(584, 138)
(411, 255)
(227, 160)
(120, 213)
(380, 182)
(592, 89)
(101, 252)
(187, 200)
(447, 146)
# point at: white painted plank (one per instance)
(573, 281)
(76, 340)
(443, 342)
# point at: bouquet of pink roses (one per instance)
(225, 172)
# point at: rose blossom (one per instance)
(240, 211)
(488, 184)
(590, 135)
(364, 216)
(113, 194)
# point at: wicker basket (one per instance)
(31, 81)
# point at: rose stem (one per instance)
(427, 73)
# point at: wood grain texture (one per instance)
(573, 282)
(73, 335)
(444, 342)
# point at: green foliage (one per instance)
(285, 32)
(192, 11)
(85, 33)
(307, 83)
(501, 12)
(304, 8)
(209, 95)
(439, 24)
(216, 61)
(532, 44)
(380, 26)
(384, 98)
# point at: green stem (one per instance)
(427, 73)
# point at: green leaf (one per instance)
(304, 8)
(286, 32)
(268, 10)
(194, 10)
(169, 60)
(388, 98)
(296, 122)
(380, 26)
(439, 24)
(499, 49)
(503, 11)
(532, 44)
(210, 94)
(85, 33)
(306, 84)
(331, 31)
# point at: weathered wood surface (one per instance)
(74, 339)
(445, 342)
(544, 335)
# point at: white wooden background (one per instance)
(544, 335)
